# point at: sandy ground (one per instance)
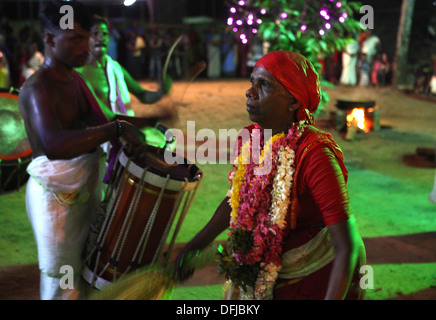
(407, 123)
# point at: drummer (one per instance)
(66, 125)
(111, 81)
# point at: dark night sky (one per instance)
(387, 13)
(384, 9)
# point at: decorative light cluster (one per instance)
(330, 11)
(245, 19)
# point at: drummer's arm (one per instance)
(139, 122)
(111, 116)
(40, 110)
(145, 96)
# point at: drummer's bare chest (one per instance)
(98, 79)
(73, 110)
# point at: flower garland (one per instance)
(259, 209)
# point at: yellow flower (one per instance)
(280, 199)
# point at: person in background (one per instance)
(114, 39)
(349, 63)
(4, 70)
(135, 53)
(65, 125)
(155, 47)
(380, 70)
(363, 67)
(111, 82)
(213, 48)
(35, 61)
(371, 45)
(228, 53)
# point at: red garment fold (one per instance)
(102, 119)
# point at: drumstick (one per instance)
(192, 74)
(170, 53)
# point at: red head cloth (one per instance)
(297, 74)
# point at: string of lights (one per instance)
(246, 16)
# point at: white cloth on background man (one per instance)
(349, 63)
(119, 95)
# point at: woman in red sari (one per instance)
(292, 232)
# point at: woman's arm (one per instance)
(347, 245)
(325, 177)
(216, 225)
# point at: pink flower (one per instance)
(253, 204)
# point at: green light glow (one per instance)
(154, 137)
(13, 138)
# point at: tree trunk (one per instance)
(403, 39)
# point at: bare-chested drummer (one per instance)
(65, 126)
(109, 79)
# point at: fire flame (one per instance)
(357, 116)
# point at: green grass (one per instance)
(383, 205)
(214, 292)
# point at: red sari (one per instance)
(319, 198)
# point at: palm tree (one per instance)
(403, 39)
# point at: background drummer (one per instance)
(111, 82)
(66, 125)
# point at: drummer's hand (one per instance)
(139, 152)
(149, 97)
(132, 134)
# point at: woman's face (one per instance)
(269, 104)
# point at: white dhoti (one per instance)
(61, 199)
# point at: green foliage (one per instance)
(286, 34)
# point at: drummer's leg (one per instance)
(60, 233)
(40, 210)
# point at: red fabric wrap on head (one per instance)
(297, 74)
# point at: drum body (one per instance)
(15, 150)
(140, 211)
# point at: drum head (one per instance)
(155, 137)
(13, 137)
